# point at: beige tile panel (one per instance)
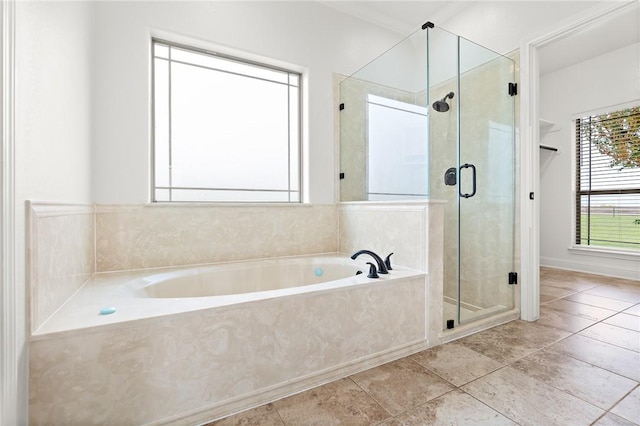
(563, 320)
(623, 337)
(453, 408)
(613, 358)
(634, 310)
(401, 385)
(60, 255)
(508, 342)
(627, 293)
(613, 420)
(601, 302)
(385, 228)
(456, 363)
(180, 365)
(629, 407)
(580, 379)
(528, 401)
(135, 237)
(554, 292)
(581, 310)
(339, 402)
(628, 321)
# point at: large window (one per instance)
(224, 129)
(608, 179)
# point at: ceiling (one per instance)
(403, 17)
(597, 38)
(601, 36)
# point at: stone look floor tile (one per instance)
(612, 358)
(634, 310)
(600, 387)
(529, 401)
(569, 284)
(555, 292)
(338, 402)
(629, 407)
(592, 313)
(628, 321)
(401, 385)
(613, 420)
(263, 415)
(546, 299)
(614, 335)
(391, 421)
(625, 293)
(599, 301)
(508, 342)
(453, 408)
(563, 320)
(456, 363)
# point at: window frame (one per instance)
(263, 63)
(577, 239)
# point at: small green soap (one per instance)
(107, 311)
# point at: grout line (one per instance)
(371, 396)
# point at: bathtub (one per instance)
(249, 277)
(187, 345)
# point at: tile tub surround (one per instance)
(68, 243)
(385, 227)
(413, 231)
(61, 256)
(557, 373)
(139, 236)
(136, 237)
(193, 366)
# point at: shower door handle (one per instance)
(473, 175)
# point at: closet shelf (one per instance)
(546, 123)
(546, 126)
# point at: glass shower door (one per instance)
(486, 171)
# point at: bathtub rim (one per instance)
(43, 333)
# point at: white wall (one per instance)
(53, 107)
(52, 128)
(502, 25)
(607, 80)
(316, 38)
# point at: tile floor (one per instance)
(579, 364)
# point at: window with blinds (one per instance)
(608, 179)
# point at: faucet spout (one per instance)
(382, 268)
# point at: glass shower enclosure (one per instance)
(433, 118)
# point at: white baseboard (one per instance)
(630, 272)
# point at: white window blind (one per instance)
(608, 179)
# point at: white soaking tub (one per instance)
(186, 345)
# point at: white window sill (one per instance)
(605, 252)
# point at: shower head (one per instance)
(442, 105)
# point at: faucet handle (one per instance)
(387, 262)
(373, 273)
